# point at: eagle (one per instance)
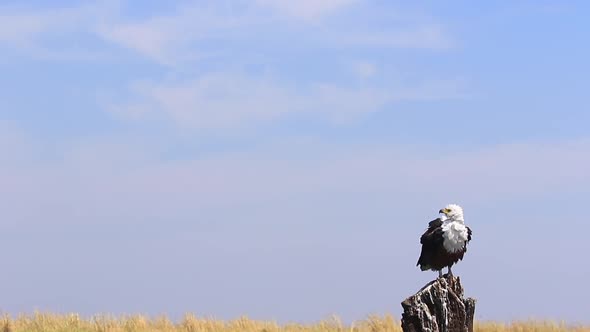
(445, 241)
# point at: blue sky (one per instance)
(281, 159)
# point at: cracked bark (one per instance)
(439, 307)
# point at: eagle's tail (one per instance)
(425, 267)
(422, 264)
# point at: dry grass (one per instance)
(39, 322)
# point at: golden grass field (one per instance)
(65, 323)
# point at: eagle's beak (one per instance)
(443, 211)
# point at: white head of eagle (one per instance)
(444, 243)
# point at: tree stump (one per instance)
(439, 307)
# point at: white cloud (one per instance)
(223, 100)
(307, 9)
(213, 102)
(35, 32)
(419, 36)
(170, 39)
(364, 69)
(178, 37)
(175, 38)
(149, 40)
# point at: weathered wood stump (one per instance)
(439, 307)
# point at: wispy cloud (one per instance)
(421, 36)
(178, 37)
(36, 31)
(170, 39)
(306, 9)
(223, 98)
(182, 35)
(230, 100)
(364, 69)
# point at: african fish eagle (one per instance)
(445, 241)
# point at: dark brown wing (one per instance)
(433, 227)
(431, 240)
